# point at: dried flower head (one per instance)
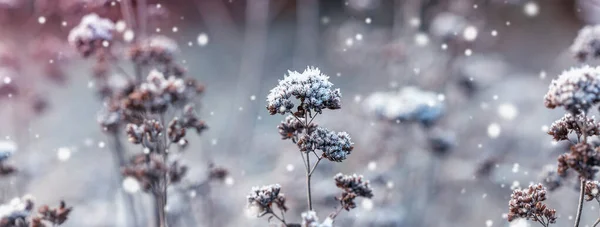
(312, 88)
(587, 43)
(147, 133)
(336, 146)
(89, 34)
(156, 49)
(410, 104)
(353, 186)
(591, 190)
(55, 216)
(576, 90)
(582, 158)
(527, 203)
(148, 170)
(262, 199)
(292, 127)
(561, 128)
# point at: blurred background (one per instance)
(488, 63)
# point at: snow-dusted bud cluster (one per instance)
(576, 90)
(591, 190)
(89, 34)
(148, 170)
(312, 88)
(177, 127)
(582, 158)
(154, 50)
(148, 134)
(51, 216)
(158, 92)
(561, 128)
(353, 186)
(527, 203)
(336, 146)
(310, 219)
(262, 198)
(292, 127)
(587, 43)
(409, 104)
(16, 211)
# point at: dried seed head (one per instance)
(262, 198)
(292, 127)
(527, 203)
(89, 34)
(582, 158)
(353, 186)
(587, 43)
(311, 87)
(561, 128)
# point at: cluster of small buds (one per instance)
(158, 92)
(527, 203)
(262, 198)
(587, 43)
(410, 104)
(91, 33)
(582, 158)
(146, 134)
(336, 146)
(311, 87)
(591, 190)
(550, 178)
(353, 186)
(310, 219)
(561, 128)
(292, 127)
(177, 127)
(576, 90)
(54, 216)
(154, 50)
(149, 169)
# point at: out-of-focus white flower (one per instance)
(7, 149)
(63, 153)
(92, 27)
(408, 104)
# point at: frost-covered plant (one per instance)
(155, 111)
(353, 186)
(576, 90)
(310, 92)
(528, 203)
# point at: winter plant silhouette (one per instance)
(315, 93)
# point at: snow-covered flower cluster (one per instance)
(576, 90)
(353, 186)
(591, 190)
(149, 171)
(310, 219)
(409, 104)
(527, 203)
(154, 49)
(336, 146)
(312, 88)
(177, 127)
(561, 128)
(90, 33)
(17, 208)
(262, 198)
(146, 133)
(587, 43)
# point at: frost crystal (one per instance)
(409, 104)
(587, 43)
(336, 146)
(311, 87)
(91, 28)
(262, 198)
(576, 89)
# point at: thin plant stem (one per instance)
(580, 205)
(308, 175)
(119, 154)
(596, 223)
